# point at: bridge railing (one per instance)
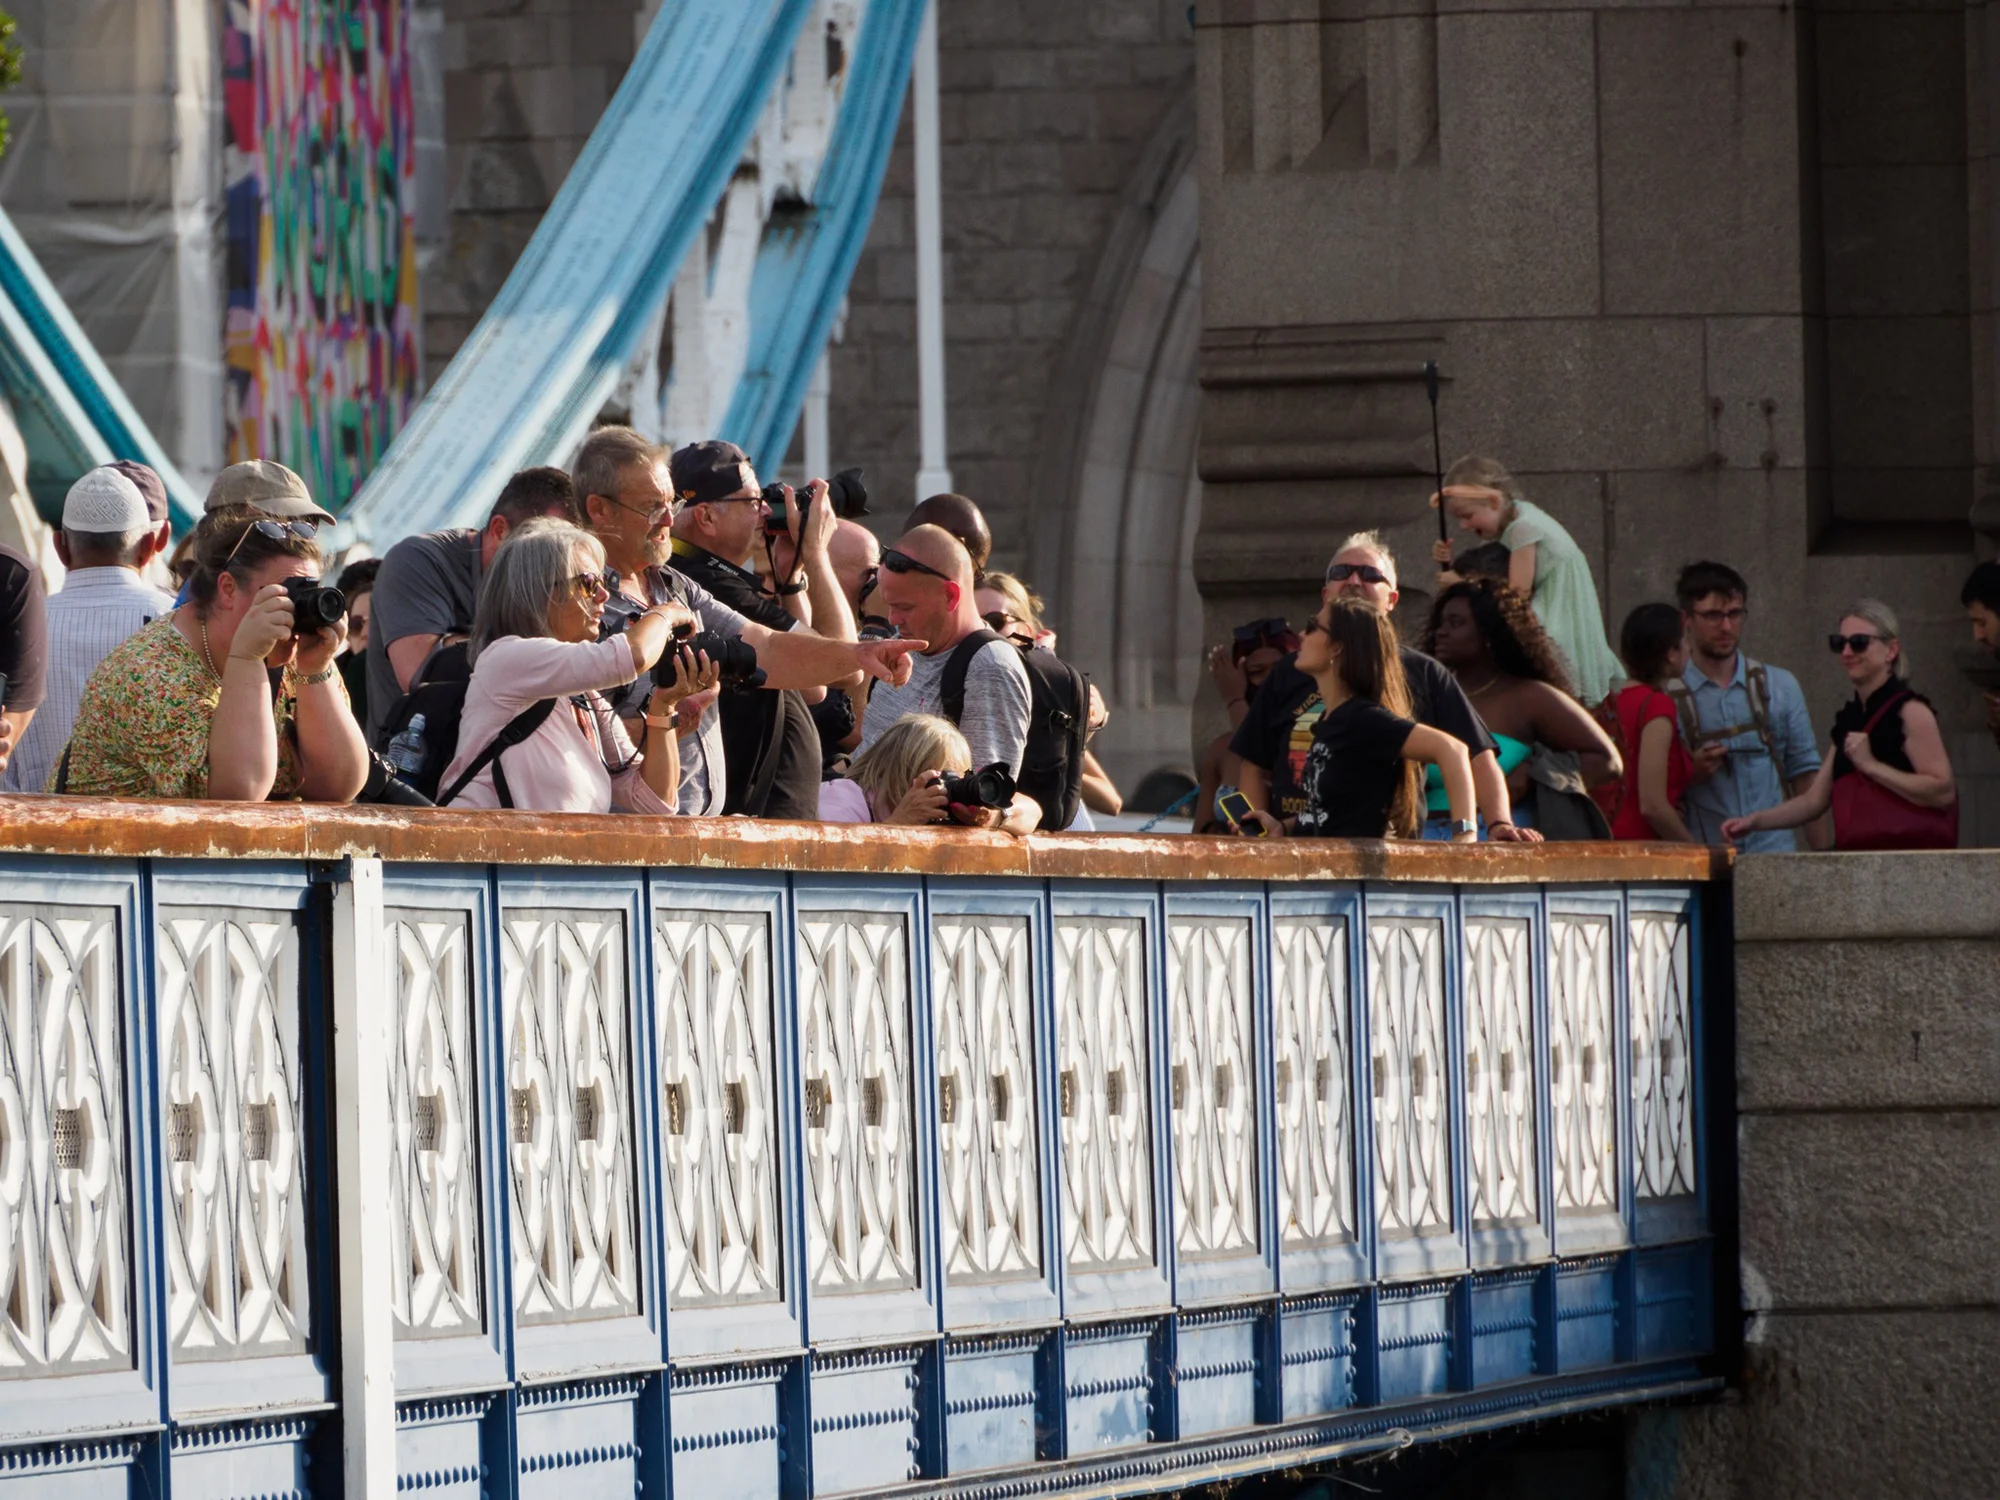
(489, 1154)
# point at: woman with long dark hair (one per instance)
(1514, 673)
(1658, 768)
(1361, 775)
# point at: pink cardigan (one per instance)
(558, 768)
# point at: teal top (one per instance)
(1511, 754)
(1566, 599)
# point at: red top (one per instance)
(1639, 705)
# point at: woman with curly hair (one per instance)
(1515, 676)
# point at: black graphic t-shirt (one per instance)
(1351, 771)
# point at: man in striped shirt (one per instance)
(108, 535)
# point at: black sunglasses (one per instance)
(1368, 573)
(902, 562)
(1855, 643)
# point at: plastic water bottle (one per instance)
(406, 750)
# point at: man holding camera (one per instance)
(925, 586)
(770, 742)
(629, 501)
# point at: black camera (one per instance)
(844, 492)
(314, 605)
(737, 659)
(875, 628)
(992, 787)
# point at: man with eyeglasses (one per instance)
(1277, 733)
(428, 585)
(770, 741)
(629, 498)
(1744, 722)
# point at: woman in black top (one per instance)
(1361, 775)
(1885, 732)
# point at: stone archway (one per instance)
(1117, 500)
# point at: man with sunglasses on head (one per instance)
(1744, 722)
(925, 587)
(1278, 730)
(770, 740)
(629, 498)
(428, 585)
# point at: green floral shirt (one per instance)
(142, 727)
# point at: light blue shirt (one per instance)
(1750, 779)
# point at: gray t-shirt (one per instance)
(704, 778)
(428, 585)
(997, 702)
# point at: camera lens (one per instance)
(314, 604)
(848, 494)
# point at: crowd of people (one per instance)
(656, 632)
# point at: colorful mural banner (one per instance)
(320, 168)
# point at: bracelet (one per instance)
(329, 670)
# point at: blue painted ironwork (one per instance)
(787, 1184)
(72, 414)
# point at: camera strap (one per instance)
(523, 724)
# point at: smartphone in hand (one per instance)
(1240, 815)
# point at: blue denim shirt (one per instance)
(1749, 780)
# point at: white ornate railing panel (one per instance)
(854, 1052)
(1314, 1051)
(1212, 1070)
(989, 1178)
(228, 1037)
(565, 1016)
(64, 1273)
(1500, 1069)
(1582, 1023)
(718, 1116)
(1406, 1019)
(1662, 1012)
(1105, 1093)
(433, 1107)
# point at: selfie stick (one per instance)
(1437, 447)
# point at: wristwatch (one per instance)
(1464, 828)
(329, 670)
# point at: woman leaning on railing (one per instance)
(224, 698)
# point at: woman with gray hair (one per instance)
(1886, 778)
(536, 731)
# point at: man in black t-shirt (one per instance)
(24, 648)
(771, 747)
(1276, 735)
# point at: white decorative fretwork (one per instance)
(1315, 1125)
(854, 1053)
(718, 1129)
(1662, 1048)
(229, 1039)
(433, 1171)
(1499, 1069)
(1583, 1102)
(569, 1090)
(64, 1277)
(1407, 1045)
(983, 987)
(1105, 1100)
(1211, 1037)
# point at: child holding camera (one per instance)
(908, 776)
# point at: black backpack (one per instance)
(438, 693)
(1058, 716)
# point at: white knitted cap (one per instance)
(105, 500)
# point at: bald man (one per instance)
(925, 588)
(961, 516)
(854, 553)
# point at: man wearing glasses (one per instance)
(626, 485)
(1744, 722)
(1277, 732)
